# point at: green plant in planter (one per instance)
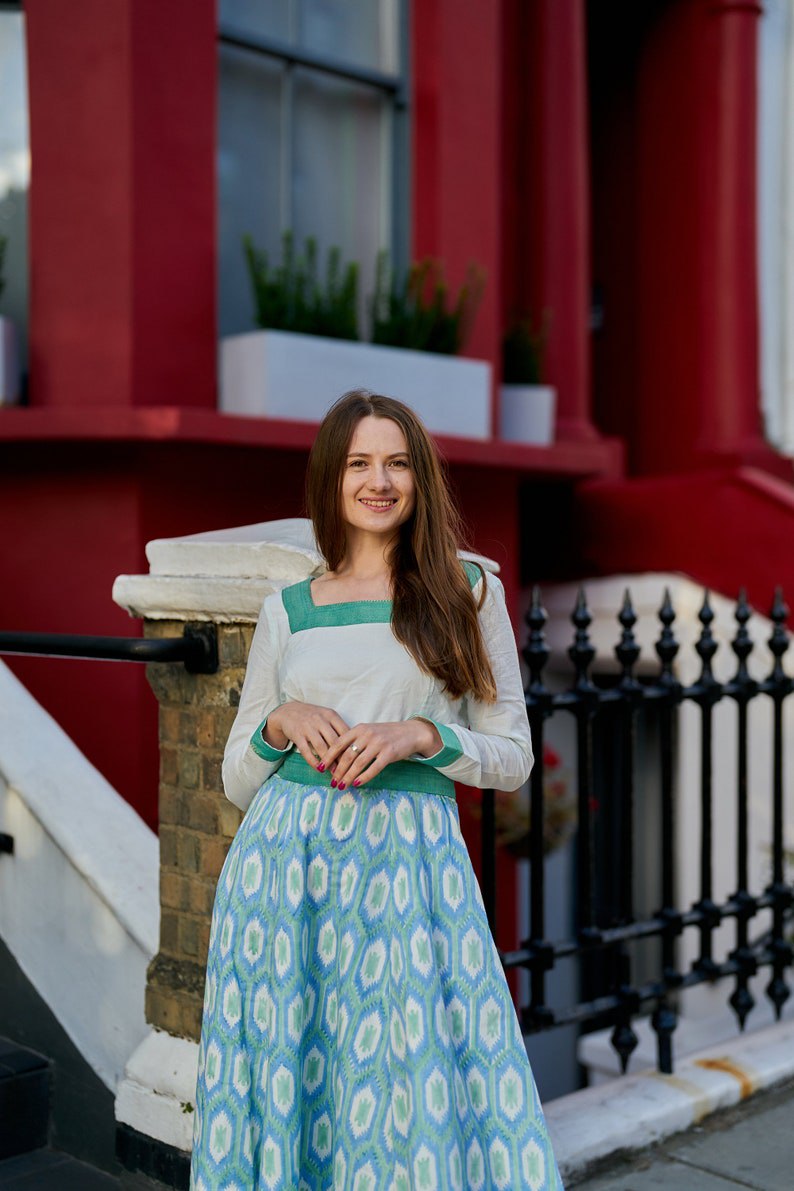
(414, 313)
(292, 297)
(524, 351)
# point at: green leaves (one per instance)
(292, 297)
(414, 313)
(523, 351)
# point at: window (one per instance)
(312, 136)
(14, 169)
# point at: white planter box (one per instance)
(279, 374)
(527, 414)
(9, 362)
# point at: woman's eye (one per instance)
(399, 463)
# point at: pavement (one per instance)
(748, 1146)
(51, 1170)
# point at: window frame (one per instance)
(394, 86)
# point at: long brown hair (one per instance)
(434, 613)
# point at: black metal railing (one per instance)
(197, 648)
(608, 927)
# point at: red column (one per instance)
(556, 206)
(122, 208)
(456, 127)
(729, 386)
(698, 396)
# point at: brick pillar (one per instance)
(221, 578)
(197, 822)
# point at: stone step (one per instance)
(24, 1099)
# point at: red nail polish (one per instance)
(356, 782)
(333, 782)
(341, 785)
(321, 767)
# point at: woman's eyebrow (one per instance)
(364, 455)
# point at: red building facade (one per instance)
(598, 165)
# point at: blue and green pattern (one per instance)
(358, 1030)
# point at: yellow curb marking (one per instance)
(747, 1083)
(701, 1104)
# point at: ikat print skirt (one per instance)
(358, 1031)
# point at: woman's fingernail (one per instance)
(341, 785)
(321, 767)
(333, 782)
(356, 782)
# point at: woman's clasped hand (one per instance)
(354, 755)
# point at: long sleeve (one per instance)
(495, 750)
(248, 759)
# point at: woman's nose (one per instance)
(379, 478)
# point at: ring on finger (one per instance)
(354, 748)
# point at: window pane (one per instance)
(14, 172)
(341, 171)
(363, 32)
(267, 18)
(250, 172)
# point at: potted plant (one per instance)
(527, 405)
(415, 313)
(308, 350)
(9, 356)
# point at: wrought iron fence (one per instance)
(604, 944)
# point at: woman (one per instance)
(358, 1030)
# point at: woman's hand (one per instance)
(310, 728)
(360, 753)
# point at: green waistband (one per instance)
(407, 776)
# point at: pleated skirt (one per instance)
(358, 1031)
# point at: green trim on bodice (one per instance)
(406, 776)
(303, 613)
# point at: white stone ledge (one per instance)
(224, 576)
(636, 1111)
(157, 1094)
(283, 550)
(166, 597)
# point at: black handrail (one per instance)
(197, 648)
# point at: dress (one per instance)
(358, 1031)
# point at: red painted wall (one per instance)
(122, 202)
(674, 204)
(726, 529)
(456, 149)
(77, 516)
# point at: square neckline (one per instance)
(338, 603)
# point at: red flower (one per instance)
(551, 759)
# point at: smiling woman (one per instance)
(377, 485)
(358, 1029)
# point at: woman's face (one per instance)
(378, 492)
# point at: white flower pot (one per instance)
(527, 414)
(280, 374)
(9, 362)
